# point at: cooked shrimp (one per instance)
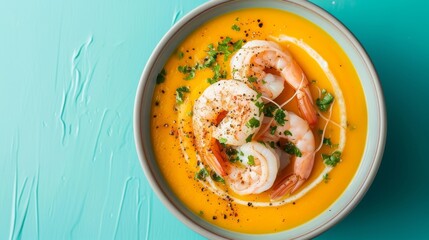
(243, 68)
(299, 135)
(266, 66)
(226, 112)
(258, 172)
(265, 136)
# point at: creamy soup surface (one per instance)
(203, 59)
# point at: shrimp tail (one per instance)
(216, 161)
(306, 107)
(298, 184)
(287, 184)
(222, 113)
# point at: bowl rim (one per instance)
(142, 152)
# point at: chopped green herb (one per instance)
(180, 54)
(224, 47)
(327, 142)
(292, 149)
(231, 151)
(332, 159)
(235, 28)
(261, 142)
(320, 131)
(222, 141)
(269, 110)
(272, 144)
(252, 79)
(209, 61)
(249, 138)
(232, 154)
(161, 76)
(184, 69)
(241, 153)
(211, 80)
(199, 66)
(280, 117)
(217, 74)
(325, 102)
(260, 106)
(237, 18)
(202, 174)
(287, 133)
(180, 94)
(190, 76)
(188, 71)
(217, 178)
(250, 160)
(253, 123)
(326, 177)
(211, 58)
(273, 130)
(190, 113)
(237, 45)
(233, 158)
(201, 213)
(212, 50)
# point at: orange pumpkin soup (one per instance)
(202, 59)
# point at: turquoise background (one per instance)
(68, 75)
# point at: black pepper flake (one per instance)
(156, 103)
(224, 216)
(214, 217)
(293, 203)
(249, 204)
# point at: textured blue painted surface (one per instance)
(68, 75)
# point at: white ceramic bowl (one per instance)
(375, 104)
